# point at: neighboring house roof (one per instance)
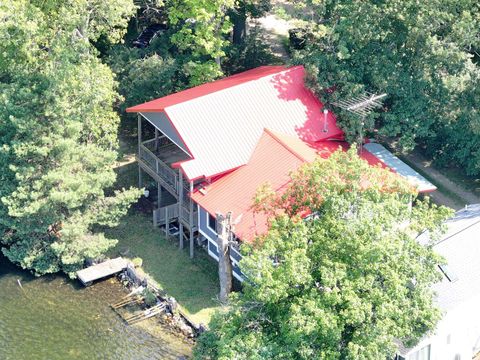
(460, 246)
(275, 156)
(397, 165)
(221, 122)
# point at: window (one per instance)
(422, 354)
(212, 223)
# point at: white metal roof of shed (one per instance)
(394, 163)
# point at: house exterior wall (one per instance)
(211, 236)
(457, 335)
(161, 122)
(203, 225)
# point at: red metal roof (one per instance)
(271, 162)
(205, 89)
(274, 158)
(221, 122)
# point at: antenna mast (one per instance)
(361, 105)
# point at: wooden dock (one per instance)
(145, 314)
(99, 271)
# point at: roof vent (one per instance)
(325, 121)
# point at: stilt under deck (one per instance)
(155, 157)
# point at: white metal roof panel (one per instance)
(221, 129)
(397, 165)
(460, 246)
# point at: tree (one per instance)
(144, 76)
(58, 132)
(341, 283)
(201, 29)
(243, 10)
(224, 228)
(419, 53)
(252, 52)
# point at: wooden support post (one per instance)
(159, 195)
(180, 205)
(167, 223)
(190, 220)
(140, 175)
(156, 212)
(224, 228)
(156, 139)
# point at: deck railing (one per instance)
(170, 213)
(168, 175)
(154, 145)
(186, 216)
(165, 214)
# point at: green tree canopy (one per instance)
(202, 26)
(58, 132)
(343, 283)
(421, 53)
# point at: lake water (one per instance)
(55, 318)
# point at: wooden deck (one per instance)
(102, 270)
(167, 152)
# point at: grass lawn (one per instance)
(192, 282)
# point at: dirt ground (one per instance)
(449, 193)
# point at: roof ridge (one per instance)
(285, 145)
(276, 68)
(282, 69)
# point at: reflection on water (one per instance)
(54, 318)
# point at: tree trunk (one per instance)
(239, 18)
(224, 262)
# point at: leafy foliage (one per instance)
(251, 53)
(419, 53)
(343, 283)
(58, 132)
(144, 78)
(201, 27)
(193, 49)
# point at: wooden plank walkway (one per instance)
(99, 271)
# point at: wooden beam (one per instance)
(156, 139)
(180, 201)
(190, 220)
(167, 223)
(159, 195)
(139, 130)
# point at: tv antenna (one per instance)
(361, 106)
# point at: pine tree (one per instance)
(58, 132)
